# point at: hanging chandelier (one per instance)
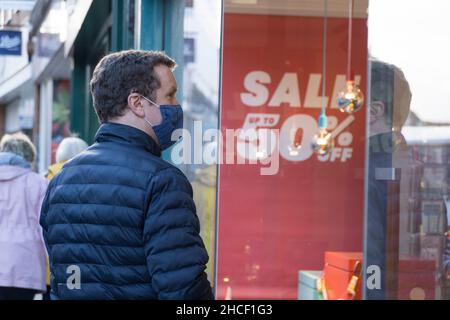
(350, 99)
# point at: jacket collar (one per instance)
(123, 134)
(11, 159)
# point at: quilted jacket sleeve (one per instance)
(176, 255)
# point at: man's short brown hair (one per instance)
(121, 73)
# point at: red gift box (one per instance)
(340, 268)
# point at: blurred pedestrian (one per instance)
(67, 149)
(22, 251)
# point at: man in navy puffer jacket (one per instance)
(118, 221)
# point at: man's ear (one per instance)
(377, 110)
(135, 104)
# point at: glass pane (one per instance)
(291, 212)
(198, 92)
(409, 148)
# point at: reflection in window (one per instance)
(409, 149)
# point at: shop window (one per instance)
(368, 218)
(284, 210)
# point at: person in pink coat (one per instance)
(22, 250)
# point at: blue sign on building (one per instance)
(10, 43)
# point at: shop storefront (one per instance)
(365, 218)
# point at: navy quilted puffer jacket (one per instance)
(126, 220)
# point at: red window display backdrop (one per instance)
(272, 226)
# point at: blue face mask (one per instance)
(172, 119)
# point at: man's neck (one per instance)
(130, 122)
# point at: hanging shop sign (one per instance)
(48, 44)
(10, 43)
